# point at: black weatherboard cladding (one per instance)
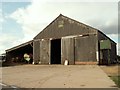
(113, 52)
(69, 27)
(81, 44)
(45, 51)
(77, 42)
(85, 48)
(103, 53)
(36, 51)
(68, 50)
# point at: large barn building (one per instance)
(67, 39)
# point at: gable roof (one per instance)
(71, 27)
(48, 30)
(53, 31)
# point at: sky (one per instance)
(22, 20)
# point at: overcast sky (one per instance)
(22, 21)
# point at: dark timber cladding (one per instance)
(45, 51)
(68, 50)
(67, 39)
(63, 26)
(88, 44)
(36, 51)
(107, 55)
(16, 54)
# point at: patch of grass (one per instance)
(116, 79)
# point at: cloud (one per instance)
(7, 40)
(30, 20)
(1, 20)
(110, 27)
(10, 40)
(36, 16)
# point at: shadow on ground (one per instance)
(5, 64)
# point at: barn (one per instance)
(66, 39)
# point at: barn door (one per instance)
(67, 53)
(36, 51)
(104, 57)
(45, 51)
(105, 47)
(85, 49)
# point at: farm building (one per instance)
(67, 39)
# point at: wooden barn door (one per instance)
(45, 51)
(67, 50)
(36, 51)
(85, 49)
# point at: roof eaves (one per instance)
(19, 46)
(90, 27)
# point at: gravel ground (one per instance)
(56, 76)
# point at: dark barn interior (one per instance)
(56, 51)
(17, 55)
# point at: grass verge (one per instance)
(116, 79)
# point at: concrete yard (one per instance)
(56, 76)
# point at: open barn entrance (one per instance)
(56, 51)
(16, 55)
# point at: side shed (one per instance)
(16, 53)
(107, 49)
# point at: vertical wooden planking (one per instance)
(67, 50)
(112, 50)
(85, 49)
(113, 53)
(36, 51)
(45, 51)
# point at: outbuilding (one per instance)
(66, 39)
(16, 54)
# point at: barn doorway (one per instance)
(56, 51)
